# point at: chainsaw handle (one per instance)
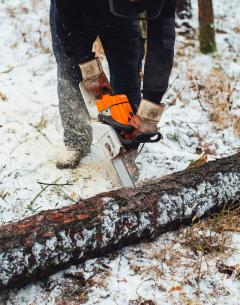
(148, 137)
(145, 137)
(139, 138)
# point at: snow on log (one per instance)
(40, 245)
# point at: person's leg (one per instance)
(73, 112)
(124, 48)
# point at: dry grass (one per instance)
(204, 240)
(211, 237)
(37, 34)
(76, 288)
(237, 29)
(141, 302)
(215, 90)
(42, 124)
(155, 270)
(228, 220)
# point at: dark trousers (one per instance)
(124, 48)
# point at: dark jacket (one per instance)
(161, 37)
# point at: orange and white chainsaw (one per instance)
(111, 116)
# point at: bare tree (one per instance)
(206, 26)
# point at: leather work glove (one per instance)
(95, 81)
(147, 117)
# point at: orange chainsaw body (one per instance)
(119, 107)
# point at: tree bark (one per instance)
(206, 27)
(184, 9)
(184, 14)
(40, 245)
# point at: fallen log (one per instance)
(40, 245)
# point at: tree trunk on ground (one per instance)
(40, 245)
(206, 26)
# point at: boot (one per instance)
(70, 159)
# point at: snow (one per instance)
(31, 139)
(108, 217)
(198, 201)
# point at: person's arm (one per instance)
(160, 53)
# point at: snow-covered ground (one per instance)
(205, 118)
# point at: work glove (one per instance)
(95, 81)
(147, 117)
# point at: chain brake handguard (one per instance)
(139, 138)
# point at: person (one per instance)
(75, 25)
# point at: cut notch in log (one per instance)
(40, 245)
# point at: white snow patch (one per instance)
(198, 201)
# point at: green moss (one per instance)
(207, 39)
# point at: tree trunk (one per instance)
(184, 9)
(183, 22)
(40, 245)
(206, 27)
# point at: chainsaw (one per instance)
(111, 116)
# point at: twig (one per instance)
(170, 86)
(54, 184)
(65, 194)
(114, 299)
(179, 94)
(148, 280)
(141, 149)
(174, 101)
(199, 99)
(196, 132)
(40, 131)
(9, 69)
(199, 276)
(22, 142)
(42, 190)
(230, 45)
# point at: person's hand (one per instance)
(97, 85)
(142, 126)
(147, 117)
(95, 81)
